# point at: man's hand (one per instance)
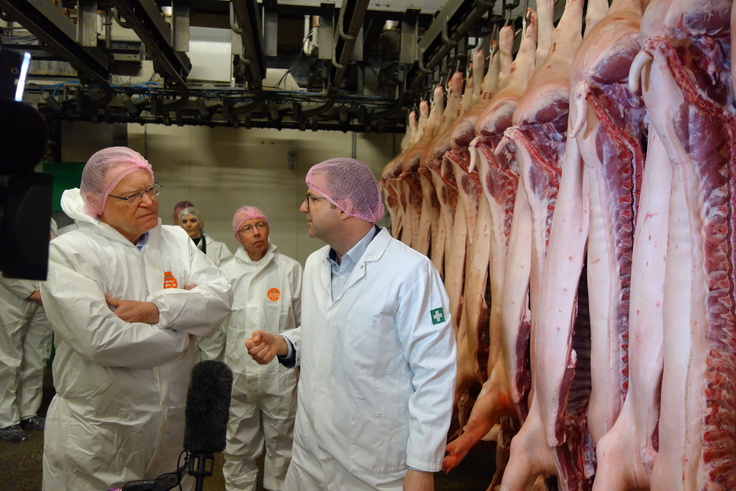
(418, 481)
(133, 311)
(264, 346)
(35, 297)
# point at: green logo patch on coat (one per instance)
(438, 315)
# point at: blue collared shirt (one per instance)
(341, 271)
(142, 241)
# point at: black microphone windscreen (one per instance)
(208, 406)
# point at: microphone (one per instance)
(206, 416)
(205, 426)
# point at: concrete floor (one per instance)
(20, 464)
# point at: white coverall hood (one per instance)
(73, 205)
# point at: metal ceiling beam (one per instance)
(347, 31)
(146, 20)
(347, 36)
(50, 25)
(247, 13)
(448, 29)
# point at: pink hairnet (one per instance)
(103, 171)
(350, 185)
(246, 213)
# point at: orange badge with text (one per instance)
(170, 280)
(273, 294)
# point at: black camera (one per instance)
(25, 196)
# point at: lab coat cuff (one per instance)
(423, 466)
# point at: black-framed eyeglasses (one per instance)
(248, 229)
(151, 191)
(307, 197)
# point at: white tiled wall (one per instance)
(222, 169)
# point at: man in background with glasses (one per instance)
(125, 298)
(266, 295)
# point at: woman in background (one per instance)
(190, 219)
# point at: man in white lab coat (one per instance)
(125, 298)
(377, 352)
(266, 295)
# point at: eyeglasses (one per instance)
(307, 197)
(248, 229)
(133, 198)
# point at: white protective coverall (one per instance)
(217, 251)
(213, 348)
(266, 295)
(377, 372)
(25, 345)
(118, 414)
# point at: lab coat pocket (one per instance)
(378, 429)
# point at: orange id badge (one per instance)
(170, 280)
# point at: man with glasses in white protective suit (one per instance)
(266, 295)
(375, 347)
(125, 298)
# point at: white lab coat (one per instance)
(266, 295)
(212, 348)
(377, 373)
(25, 345)
(118, 412)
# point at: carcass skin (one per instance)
(390, 179)
(499, 179)
(413, 162)
(608, 128)
(392, 170)
(472, 350)
(543, 446)
(451, 206)
(692, 112)
(408, 181)
(626, 453)
(516, 315)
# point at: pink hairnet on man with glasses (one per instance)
(350, 185)
(103, 171)
(246, 213)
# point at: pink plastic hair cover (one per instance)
(103, 171)
(350, 185)
(246, 213)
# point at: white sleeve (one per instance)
(79, 315)
(20, 288)
(425, 332)
(199, 311)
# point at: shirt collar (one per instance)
(358, 249)
(142, 241)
